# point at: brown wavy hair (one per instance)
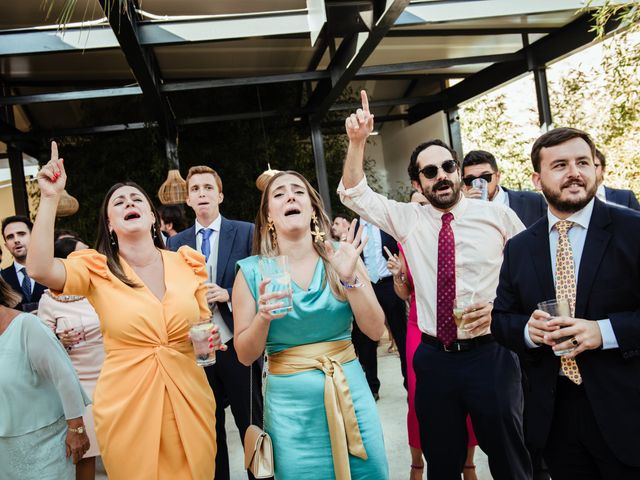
(263, 240)
(8, 296)
(103, 238)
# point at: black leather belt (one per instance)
(459, 345)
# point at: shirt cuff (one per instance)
(229, 305)
(609, 339)
(527, 339)
(355, 191)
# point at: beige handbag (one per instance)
(258, 450)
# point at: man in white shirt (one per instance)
(529, 206)
(453, 247)
(222, 242)
(582, 408)
(16, 232)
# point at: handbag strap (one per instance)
(251, 393)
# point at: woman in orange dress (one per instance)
(153, 408)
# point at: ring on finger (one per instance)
(574, 342)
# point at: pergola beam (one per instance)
(144, 67)
(344, 66)
(573, 36)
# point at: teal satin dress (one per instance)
(295, 415)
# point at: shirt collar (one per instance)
(458, 210)
(501, 196)
(215, 225)
(17, 266)
(601, 193)
(581, 217)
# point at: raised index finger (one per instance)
(388, 252)
(54, 151)
(365, 101)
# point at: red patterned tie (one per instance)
(447, 332)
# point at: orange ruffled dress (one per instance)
(153, 407)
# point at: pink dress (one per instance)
(88, 356)
(413, 340)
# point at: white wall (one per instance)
(392, 148)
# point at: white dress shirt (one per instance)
(481, 229)
(501, 196)
(212, 267)
(601, 194)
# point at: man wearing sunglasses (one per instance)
(453, 247)
(529, 206)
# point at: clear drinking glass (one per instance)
(75, 326)
(200, 333)
(558, 307)
(462, 301)
(482, 185)
(277, 270)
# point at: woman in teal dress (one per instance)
(42, 434)
(319, 410)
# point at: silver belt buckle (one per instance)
(454, 347)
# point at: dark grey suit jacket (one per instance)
(626, 198)
(235, 243)
(529, 206)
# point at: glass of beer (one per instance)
(200, 333)
(277, 270)
(558, 307)
(460, 304)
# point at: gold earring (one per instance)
(271, 228)
(318, 235)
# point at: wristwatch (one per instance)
(79, 430)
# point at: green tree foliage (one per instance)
(486, 124)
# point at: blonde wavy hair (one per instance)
(265, 244)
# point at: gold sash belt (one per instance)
(341, 414)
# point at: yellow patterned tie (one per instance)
(566, 288)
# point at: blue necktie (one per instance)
(26, 285)
(206, 245)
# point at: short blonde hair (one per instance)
(198, 169)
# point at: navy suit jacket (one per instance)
(235, 243)
(607, 287)
(626, 198)
(11, 277)
(529, 206)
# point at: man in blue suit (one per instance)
(529, 206)
(223, 242)
(581, 409)
(626, 198)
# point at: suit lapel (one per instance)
(12, 278)
(225, 244)
(595, 245)
(541, 257)
(190, 239)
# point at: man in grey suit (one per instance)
(626, 198)
(529, 206)
(223, 242)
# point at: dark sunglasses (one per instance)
(468, 180)
(430, 171)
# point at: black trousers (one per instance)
(395, 312)
(483, 382)
(229, 380)
(576, 449)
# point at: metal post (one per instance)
(455, 138)
(321, 166)
(16, 167)
(542, 96)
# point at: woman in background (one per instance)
(41, 401)
(83, 344)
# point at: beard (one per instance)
(439, 201)
(571, 205)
